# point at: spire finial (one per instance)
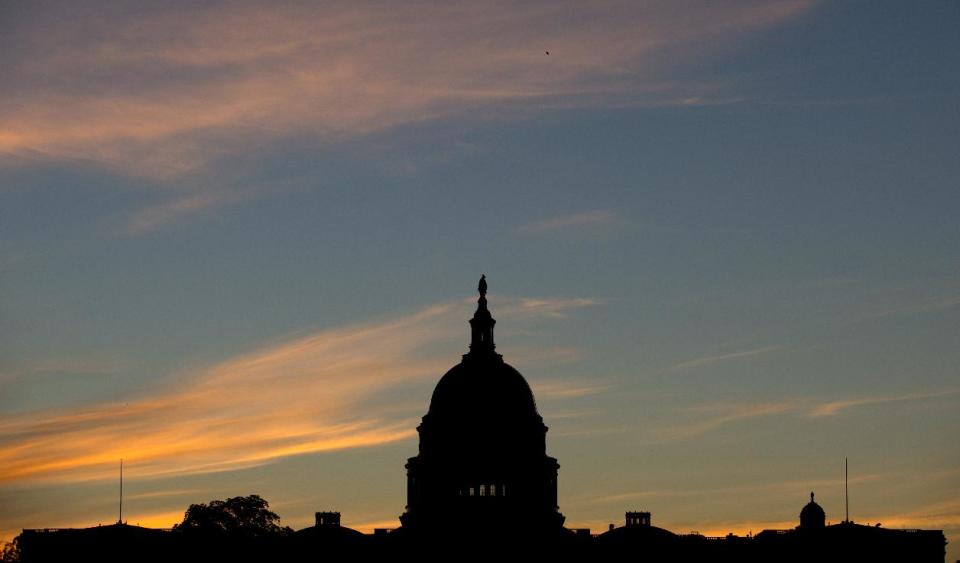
(811, 496)
(481, 325)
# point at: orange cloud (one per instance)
(306, 394)
(163, 93)
(292, 398)
(833, 408)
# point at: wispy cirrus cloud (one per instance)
(707, 418)
(928, 306)
(834, 408)
(546, 356)
(67, 366)
(701, 419)
(554, 307)
(165, 494)
(717, 358)
(152, 217)
(568, 222)
(566, 389)
(310, 393)
(164, 93)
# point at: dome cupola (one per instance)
(812, 517)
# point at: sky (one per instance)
(239, 244)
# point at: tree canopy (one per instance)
(10, 552)
(249, 516)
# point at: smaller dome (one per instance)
(812, 515)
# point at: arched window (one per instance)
(503, 490)
(471, 491)
(493, 490)
(483, 490)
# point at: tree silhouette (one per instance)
(10, 552)
(249, 516)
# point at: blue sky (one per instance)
(239, 243)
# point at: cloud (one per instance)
(155, 216)
(720, 415)
(296, 397)
(565, 389)
(68, 366)
(565, 222)
(834, 408)
(709, 417)
(552, 307)
(591, 432)
(545, 356)
(163, 93)
(929, 306)
(311, 393)
(165, 494)
(709, 360)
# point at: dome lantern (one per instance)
(812, 517)
(481, 325)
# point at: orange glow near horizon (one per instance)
(240, 245)
(296, 397)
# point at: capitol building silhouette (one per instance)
(482, 485)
